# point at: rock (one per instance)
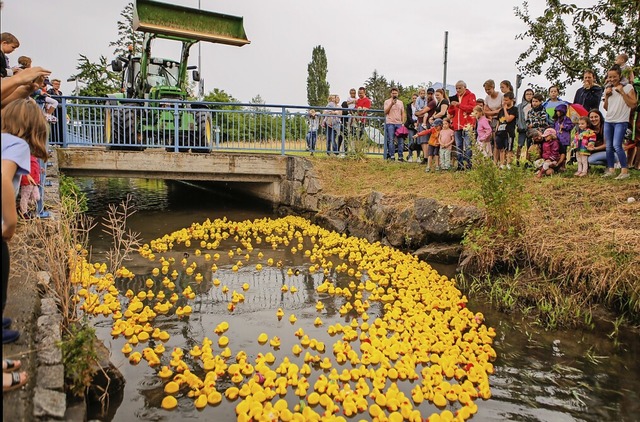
(76, 412)
(462, 217)
(43, 281)
(311, 185)
(107, 378)
(48, 351)
(310, 202)
(329, 202)
(331, 223)
(51, 377)
(49, 403)
(48, 325)
(445, 253)
(48, 306)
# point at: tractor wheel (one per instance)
(123, 130)
(203, 136)
(108, 129)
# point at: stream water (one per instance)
(539, 375)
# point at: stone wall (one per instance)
(432, 229)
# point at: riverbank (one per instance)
(579, 244)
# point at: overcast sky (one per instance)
(402, 39)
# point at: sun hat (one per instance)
(549, 132)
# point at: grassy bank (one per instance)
(574, 242)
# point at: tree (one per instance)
(126, 35)
(377, 89)
(317, 85)
(257, 100)
(99, 81)
(221, 96)
(593, 37)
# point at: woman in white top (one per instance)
(619, 101)
(492, 106)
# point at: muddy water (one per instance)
(540, 376)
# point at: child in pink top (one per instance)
(446, 139)
(484, 131)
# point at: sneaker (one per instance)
(622, 176)
(9, 336)
(501, 166)
(6, 322)
(410, 160)
(437, 168)
(51, 118)
(427, 170)
(508, 166)
(608, 174)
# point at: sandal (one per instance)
(16, 379)
(9, 365)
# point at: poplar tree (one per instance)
(126, 35)
(317, 85)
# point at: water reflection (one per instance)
(540, 376)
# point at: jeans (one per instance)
(332, 144)
(463, 149)
(599, 158)
(445, 158)
(389, 136)
(312, 136)
(613, 138)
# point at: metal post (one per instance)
(200, 82)
(284, 134)
(176, 122)
(63, 121)
(446, 48)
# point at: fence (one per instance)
(202, 127)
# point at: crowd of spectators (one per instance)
(507, 132)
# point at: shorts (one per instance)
(423, 139)
(433, 151)
(504, 141)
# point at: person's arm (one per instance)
(9, 214)
(404, 114)
(387, 108)
(629, 97)
(24, 78)
(508, 117)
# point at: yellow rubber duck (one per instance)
(169, 403)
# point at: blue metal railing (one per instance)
(206, 126)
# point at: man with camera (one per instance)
(394, 118)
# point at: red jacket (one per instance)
(35, 172)
(461, 113)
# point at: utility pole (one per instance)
(446, 49)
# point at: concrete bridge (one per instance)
(261, 175)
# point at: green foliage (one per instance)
(72, 198)
(78, 356)
(377, 89)
(501, 191)
(127, 36)
(567, 39)
(317, 85)
(221, 96)
(99, 81)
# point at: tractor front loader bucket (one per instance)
(185, 22)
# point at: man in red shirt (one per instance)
(460, 111)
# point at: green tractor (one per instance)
(159, 80)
